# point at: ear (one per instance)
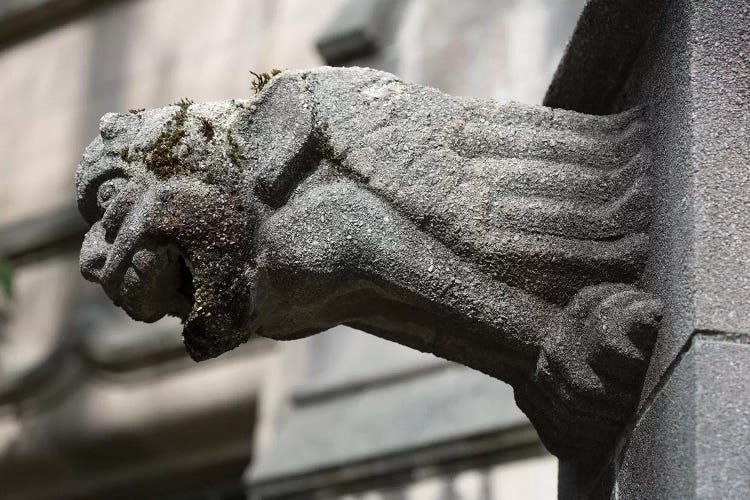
(280, 137)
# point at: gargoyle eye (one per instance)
(108, 190)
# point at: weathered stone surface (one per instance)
(686, 443)
(692, 79)
(607, 41)
(503, 236)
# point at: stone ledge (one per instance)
(159, 431)
(428, 419)
(441, 458)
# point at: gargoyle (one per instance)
(505, 237)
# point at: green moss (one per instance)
(207, 128)
(327, 151)
(233, 150)
(163, 160)
(183, 103)
(325, 147)
(260, 80)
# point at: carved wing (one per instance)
(545, 200)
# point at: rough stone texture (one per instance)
(720, 71)
(692, 79)
(607, 41)
(503, 49)
(60, 334)
(661, 83)
(697, 95)
(502, 236)
(685, 444)
(696, 73)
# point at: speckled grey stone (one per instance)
(692, 79)
(698, 100)
(506, 237)
(692, 441)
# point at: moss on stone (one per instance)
(260, 80)
(233, 149)
(163, 160)
(326, 151)
(207, 128)
(325, 147)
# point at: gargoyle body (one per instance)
(505, 237)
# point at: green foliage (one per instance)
(183, 103)
(6, 278)
(260, 80)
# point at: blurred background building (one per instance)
(94, 405)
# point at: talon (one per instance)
(621, 329)
(645, 316)
(646, 312)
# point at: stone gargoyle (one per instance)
(506, 237)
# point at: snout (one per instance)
(94, 253)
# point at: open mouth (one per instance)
(157, 281)
(186, 286)
(162, 279)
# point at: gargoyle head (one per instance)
(171, 221)
(174, 196)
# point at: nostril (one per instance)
(110, 226)
(91, 266)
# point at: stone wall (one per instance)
(686, 67)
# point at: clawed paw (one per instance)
(588, 375)
(621, 329)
